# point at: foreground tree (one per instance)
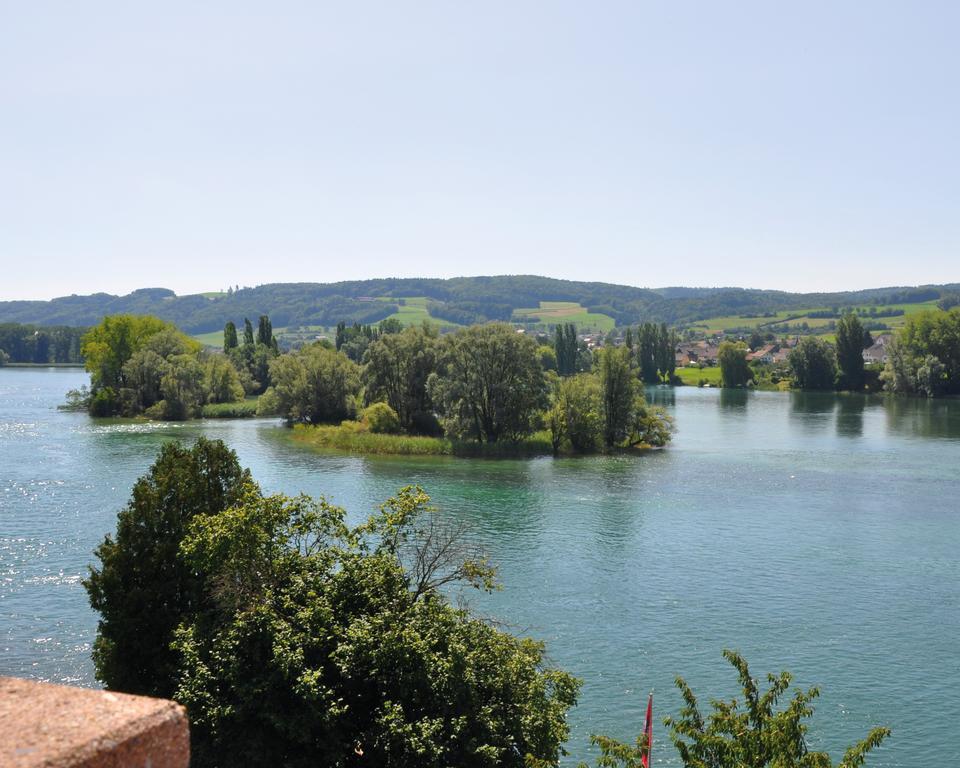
(335, 646)
(489, 385)
(143, 589)
(756, 735)
(850, 344)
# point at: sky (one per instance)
(197, 145)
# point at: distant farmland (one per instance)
(555, 312)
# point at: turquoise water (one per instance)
(818, 534)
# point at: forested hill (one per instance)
(462, 300)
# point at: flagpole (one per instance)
(645, 757)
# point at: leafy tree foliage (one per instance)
(734, 369)
(647, 352)
(666, 352)
(489, 385)
(605, 409)
(221, 382)
(41, 344)
(618, 394)
(315, 385)
(949, 301)
(381, 419)
(332, 645)
(229, 336)
(142, 588)
(396, 371)
(756, 734)
(577, 413)
(265, 332)
(566, 348)
(813, 363)
(925, 356)
(128, 358)
(850, 340)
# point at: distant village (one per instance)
(702, 353)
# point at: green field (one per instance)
(799, 316)
(691, 376)
(414, 311)
(556, 312)
(212, 339)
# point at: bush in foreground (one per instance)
(143, 589)
(747, 734)
(298, 640)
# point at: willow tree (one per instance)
(489, 385)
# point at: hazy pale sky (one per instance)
(194, 145)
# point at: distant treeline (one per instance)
(463, 300)
(39, 344)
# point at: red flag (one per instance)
(648, 732)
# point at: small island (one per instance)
(486, 390)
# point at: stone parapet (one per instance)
(57, 726)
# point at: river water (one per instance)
(814, 533)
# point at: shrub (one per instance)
(381, 419)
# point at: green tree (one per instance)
(926, 335)
(850, 338)
(581, 404)
(565, 346)
(648, 337)
(489, 385)
(142, 588)
(666, 355)
(734, 369)
(754, 733)
(337, 646)
(221, 382)
(182, 389)
(381, 419)
(247, 333)
(396, 370)
(265, 332)
(315, 385)
(618, 394)
(813, 363)
(229, 336)
(107, 348)
(548, 358)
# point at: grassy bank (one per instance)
(244, 409)
(352, 437)
(691, 377)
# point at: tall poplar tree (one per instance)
(850, 341)
(229, 336)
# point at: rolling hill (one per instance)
(457, 301)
